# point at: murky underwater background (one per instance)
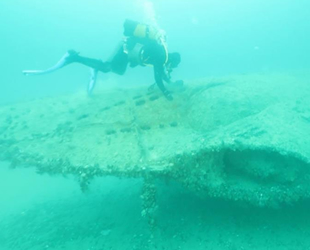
(215, 38)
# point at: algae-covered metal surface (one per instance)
(240, 137)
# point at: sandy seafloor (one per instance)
(43, 212)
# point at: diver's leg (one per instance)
(73, 57)
(95, 64)
(119, 61)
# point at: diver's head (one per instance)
(174, 60)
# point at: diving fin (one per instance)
(65, 60)
(92, 80)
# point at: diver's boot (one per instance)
(70, 57)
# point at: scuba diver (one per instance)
(143, 45)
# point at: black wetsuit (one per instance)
(153, 54)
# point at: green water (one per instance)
(215, 39)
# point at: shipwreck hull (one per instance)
(243, 138)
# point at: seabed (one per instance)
(241, 139)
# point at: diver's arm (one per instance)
(166, 74)
(166, 78)
(158, 74)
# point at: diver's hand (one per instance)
(168, 95)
